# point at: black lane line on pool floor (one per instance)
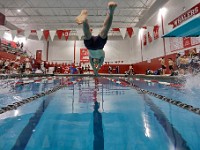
(175, 137)
(28, 130)
(166, 99)
(15, 105)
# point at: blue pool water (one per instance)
(97, 114)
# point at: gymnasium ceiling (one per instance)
(60, 14)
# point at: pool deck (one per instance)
(161, 78)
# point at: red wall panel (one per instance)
(140, 68)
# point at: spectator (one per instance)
(109, 69)
(163, 66)
(22, 45)
(171, 65)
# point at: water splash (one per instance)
(192, 83)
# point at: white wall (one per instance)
(127, 50)
(61, 51)
(115, 50)
(174, 9)
(33, 45)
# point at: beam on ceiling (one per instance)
(152, 10)
(10, 26)
(75, 8)
(35, 16)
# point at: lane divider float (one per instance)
(17, 104)
(161, 97)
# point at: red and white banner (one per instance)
(52, 34)
(84, 55)
(130, 31)
(145, 39)
(27, 33)
(179, 43)
(46, 34)
(123, 32)
(14, 33)
(149, 37)
(187, 42)
(66, 34)
(185, 16)
(59, 34)
(39, 34)
(156, 32)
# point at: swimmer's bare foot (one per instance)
(82, 17)
(112, 6)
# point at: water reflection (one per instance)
(98, 143)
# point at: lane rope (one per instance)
(160, 97)
(17, 104)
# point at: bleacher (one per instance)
(11, 47)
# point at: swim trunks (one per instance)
(95, 43)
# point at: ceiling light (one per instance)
(42, 29)
(18, 10)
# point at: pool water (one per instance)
(98, 114)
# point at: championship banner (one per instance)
(66, 34)
(84, 55)
(179, 43)
(156, 32)
(185, 16)
(187, 42)
(149, 37)
(145, 39)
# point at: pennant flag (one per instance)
(19, 31)
(150, 34)
(1, 33)
(52, 34)
(66, 34)
(79, 33)
(156, 32)
(116, 29)
(144, 27)
(14, 33)
(59, 34)
(39, 34)
(144, 39)
(149, 37)
(27, 33)
(130, 31)
(33, 31)
(46, 34)
(123, 32)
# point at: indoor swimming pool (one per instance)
(98, 113)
